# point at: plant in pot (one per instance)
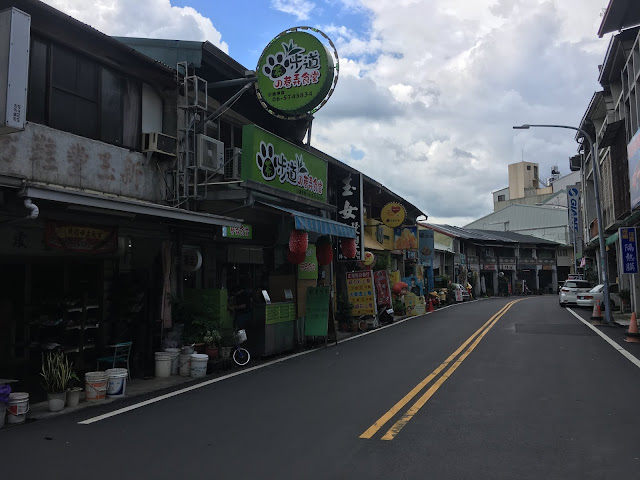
(227, 341)
(73, 394)
(211, 339)
(56, 374)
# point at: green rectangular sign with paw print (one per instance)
(272, 161)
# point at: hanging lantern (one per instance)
(296, 258)
(324, 253)
(348, 246)
(298, 241)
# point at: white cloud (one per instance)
(149, 18)
(301, 9)
(460, 74)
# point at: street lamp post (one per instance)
(593, 144)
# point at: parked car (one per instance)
(465, 294)
(570, 290)
(589, 298)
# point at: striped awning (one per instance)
(312, 223)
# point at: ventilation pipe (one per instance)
(34, 211)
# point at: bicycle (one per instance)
(241, 355)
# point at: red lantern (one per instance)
(324, 253)
(298, 241)
(348, 246)
(296, 257)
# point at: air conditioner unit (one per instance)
(232, 163)
(159, 143)
(210, 154)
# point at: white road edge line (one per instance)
(240, 372)
(611, 342)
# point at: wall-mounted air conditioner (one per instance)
(210, 154)
(159, 143)
(232, 163)
(15, 27)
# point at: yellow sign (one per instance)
(415, 304)
(361, 292)
(393, 214)
(394, 277)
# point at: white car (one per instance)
(570, 290)
(589, 298)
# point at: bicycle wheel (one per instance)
(241, 356)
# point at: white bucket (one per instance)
(117, 382)
(199, 365)
(175, 365)
(95, 385)
(185, 364)
(17, 407)
(163, 364)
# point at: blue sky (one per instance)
(248, 33)
(428, 89)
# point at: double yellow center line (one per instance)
(408, 415)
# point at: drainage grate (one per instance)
(554, 329)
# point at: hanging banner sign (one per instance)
(308, 269)
(361, 292)
(383, 289)
(425, 247)
(573, 202)
(629, 249)
(351, 210)
(393, 214)
(245, 232)
(406, 238)
(81, 238)
(633, 154)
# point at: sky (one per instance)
(428, 90)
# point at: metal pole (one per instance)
(604, 276)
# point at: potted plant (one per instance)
(73, 394)
(227, 341)
(56, 374)
(211, 339)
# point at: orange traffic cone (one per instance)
(632, 335)
(596, 315)
(430, 306)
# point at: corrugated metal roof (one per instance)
(494, 236)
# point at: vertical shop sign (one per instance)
(573, 202)
(629, 249)
(361, 292)
(633, 154)
(383, 289)
(425, 242)
(350, 210)
(308, 269)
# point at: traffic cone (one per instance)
(632, 335)
(430, 306)
(596, 315)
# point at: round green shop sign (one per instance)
(296, 73)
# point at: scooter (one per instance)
(385, 314)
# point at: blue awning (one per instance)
(312, 223)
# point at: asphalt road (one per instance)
(538, 395)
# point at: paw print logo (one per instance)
(276, 66)
(266, 159)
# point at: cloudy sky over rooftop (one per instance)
(428, 89)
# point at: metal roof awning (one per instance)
(371, 243)
(620, 14)
(130, 206)
(611, 239)
(313, 223)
